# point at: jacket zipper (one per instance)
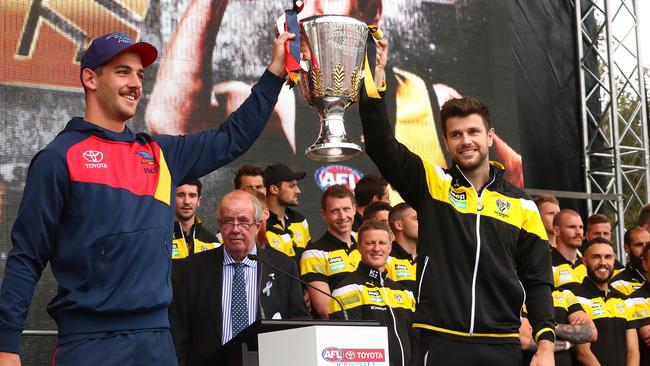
(524, 301)
(390, 309)
(478, 254)
(424, 268)
(478, 250)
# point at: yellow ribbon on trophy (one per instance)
(369, 81)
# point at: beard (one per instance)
(288, 203)
(596, 277)
(636, 263)
(469, 165)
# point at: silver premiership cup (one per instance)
(332, 83)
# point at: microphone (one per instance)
(255, 257)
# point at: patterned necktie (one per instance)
(238, 306)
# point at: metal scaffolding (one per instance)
(613, 110)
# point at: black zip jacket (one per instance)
(368, 294)
(481, 254)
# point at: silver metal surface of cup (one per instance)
(332, 83)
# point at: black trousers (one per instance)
(438, 350)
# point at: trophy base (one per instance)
(333, 152)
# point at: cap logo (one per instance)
(120, 37)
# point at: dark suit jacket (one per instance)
(195, 313)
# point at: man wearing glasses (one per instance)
(218, 293)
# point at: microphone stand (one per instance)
(255, 257)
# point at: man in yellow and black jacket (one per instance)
(368, 293)
(482, 250)
(287, 230)
(189, 234)
(403, 221)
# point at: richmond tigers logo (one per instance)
(503, 205)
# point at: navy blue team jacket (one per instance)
(98, 206)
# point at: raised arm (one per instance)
(403, 169)
(193, 156)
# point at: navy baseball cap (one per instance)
(104, 48)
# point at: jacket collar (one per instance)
(371, 274)
(595, 291)
(635, 266)
(330, 239)
(398, 252)
(495, 175)
(78, 124)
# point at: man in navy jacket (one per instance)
(98, 206)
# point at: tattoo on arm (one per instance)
(579, 333)
(559, 346)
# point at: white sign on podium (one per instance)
(325, 346)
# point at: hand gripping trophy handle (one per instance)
(337, 46)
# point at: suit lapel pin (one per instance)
(267, 288)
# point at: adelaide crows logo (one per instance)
(146, 158)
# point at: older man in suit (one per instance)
(218, 293)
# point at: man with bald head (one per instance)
(568, 269)
(218, 293)
(632, 277)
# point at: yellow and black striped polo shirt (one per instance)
(329, 260)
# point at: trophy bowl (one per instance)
(337, 46)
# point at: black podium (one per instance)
(242, 350)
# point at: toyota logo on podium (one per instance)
(93, 156)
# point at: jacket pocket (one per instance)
(132, 271)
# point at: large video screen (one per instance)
(211, 52)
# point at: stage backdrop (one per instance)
(209, 60)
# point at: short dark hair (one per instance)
(644, 215)
(397, 213)
(369, 186)
(336, 191)
(463, 107)
(246, 170)
(627, 238)
(194, 182)
(543, 198)
(373, 208)
(597, 219)
(372, 224)
(598, 240)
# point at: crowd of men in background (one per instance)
(366, 258)
(263, 263)
(602, 307)
(369, 253)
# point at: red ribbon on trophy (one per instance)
(292, 47)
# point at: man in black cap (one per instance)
(98, 205)
(286, 229)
